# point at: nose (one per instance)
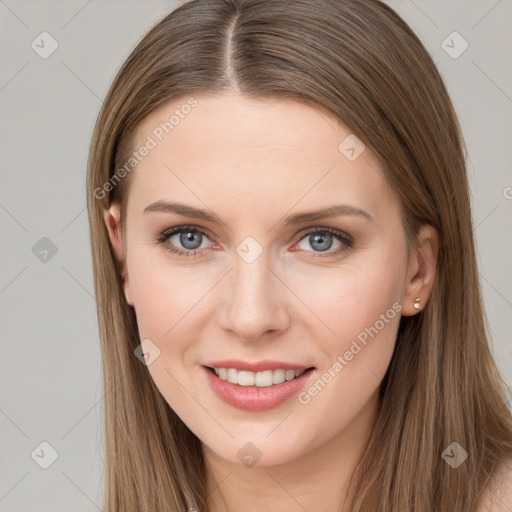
(257, 303)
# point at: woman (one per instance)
(285, 271)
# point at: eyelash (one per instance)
(345, 239)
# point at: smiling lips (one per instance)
(256, 386)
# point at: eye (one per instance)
(322, 240)
(183, 240)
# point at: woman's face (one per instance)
(249, 280)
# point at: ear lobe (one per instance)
(422, 271)
(112, 218)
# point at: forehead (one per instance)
(250, 152)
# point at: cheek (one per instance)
(167, 302)
(354, 362)
(339, 305)
(164, 296)
(360, 310)
(363, 320)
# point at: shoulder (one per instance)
(498, 495)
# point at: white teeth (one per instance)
(245, 378)
(289, 375)
(232, 375)
(260, 379)
(264, 379)
(278, 376)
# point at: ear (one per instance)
(421, 271)
(112, 218)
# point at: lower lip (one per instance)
(253, 398)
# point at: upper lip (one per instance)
(256, 366)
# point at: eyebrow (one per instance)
(190, 211)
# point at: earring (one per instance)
(416, 303)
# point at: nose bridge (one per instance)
(257, 299)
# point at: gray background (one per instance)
(50, 371)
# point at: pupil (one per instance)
(190, 237)
(322, 246)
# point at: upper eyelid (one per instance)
(177, 229)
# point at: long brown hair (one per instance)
(361, 62)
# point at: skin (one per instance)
(251, 163)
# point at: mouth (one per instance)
(257, 391)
